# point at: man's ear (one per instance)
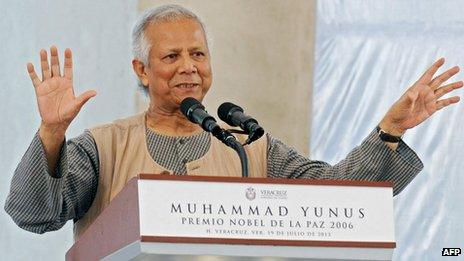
(139, 69)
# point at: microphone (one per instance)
(196, 113)
(234, 116)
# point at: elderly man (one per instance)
(57, 181)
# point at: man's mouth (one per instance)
(187, 85)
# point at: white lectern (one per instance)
(165, 217)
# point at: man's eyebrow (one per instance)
(191, 49)
(176, 50)
(196, 48)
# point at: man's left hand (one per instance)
(421, 100)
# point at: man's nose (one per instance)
(187, 66)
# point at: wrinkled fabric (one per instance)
(367, 54)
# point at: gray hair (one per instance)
(166, 13)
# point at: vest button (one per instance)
(181, 141)
(194, 168)
(184, 161)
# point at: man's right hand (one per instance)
(58, 105)
(55, 95)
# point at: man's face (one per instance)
(179, 63)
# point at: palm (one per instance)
(55, 94)
(423, 107)
(422, 99)
(56, 101)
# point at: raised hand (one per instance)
(421, 100)
(58, 105)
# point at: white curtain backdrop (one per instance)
(367, 54)
(98, 32)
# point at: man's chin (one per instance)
(197, 96)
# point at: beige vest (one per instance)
(123, 153)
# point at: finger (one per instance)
(83, 98)
(54, 61)
(44, 65)
(445, 102)
(437, 81)
(447, 88)
(427, 76)
(34, 78)
(68, 64)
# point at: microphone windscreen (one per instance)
(224, 112)
(188, 103)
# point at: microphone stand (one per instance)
(227, 138)
(243, 158)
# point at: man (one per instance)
(57, 181)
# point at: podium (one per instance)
(166, 217)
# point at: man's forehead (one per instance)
(175, 31)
